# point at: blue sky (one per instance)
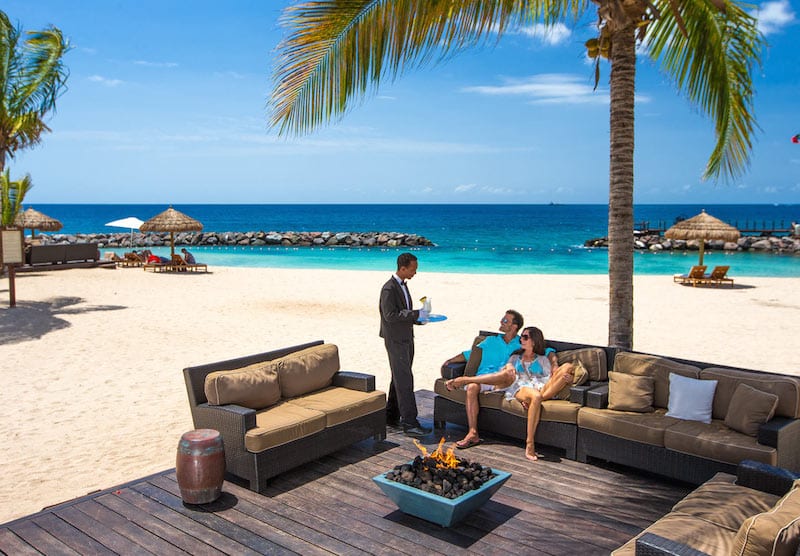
(167, 103)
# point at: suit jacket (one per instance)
(397, 322)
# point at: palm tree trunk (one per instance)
(620, 198)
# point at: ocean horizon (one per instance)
(483, 239)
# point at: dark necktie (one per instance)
(406, 294)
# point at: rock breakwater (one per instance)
(655, 242)
(253, 239)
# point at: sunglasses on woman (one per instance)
(525, 337)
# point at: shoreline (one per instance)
(93, 357)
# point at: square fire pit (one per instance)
(435, 508)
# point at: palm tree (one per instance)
(335, 50)
(12, 193)
(32, 77)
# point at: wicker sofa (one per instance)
(585, 427)
(757, 511)
(61, 253)
(559, 421)
(691, 450)
(280, 409)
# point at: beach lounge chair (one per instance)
(694, 276)
(179, 264)
(718, 276)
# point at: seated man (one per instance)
(494, 353)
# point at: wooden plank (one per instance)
(266, 544)
(132, 531)
(69, 535)
(40, 539)
(190, 526)
(173, 535)
(266, 516)
(12, 545)
(97, 530)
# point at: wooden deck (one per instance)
(331, 506)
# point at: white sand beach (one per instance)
(91, 359)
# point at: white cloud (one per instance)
(552, 35)
(483, 189)
(550, 88)
(155, 64)
(774, 16)
(105, 81)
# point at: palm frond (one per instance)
(336, 49)
(43, 74)
(713, 63)
(12, 194)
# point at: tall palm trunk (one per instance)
(620, 198)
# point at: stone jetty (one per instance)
(242, 239)
(655, 242)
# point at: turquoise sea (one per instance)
(492, 239)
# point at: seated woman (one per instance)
(532, 375)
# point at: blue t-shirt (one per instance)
(495, 353)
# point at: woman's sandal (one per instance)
(464, 444)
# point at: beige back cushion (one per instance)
(656, 367)
(307, 370)
(773, 533)
(787, 388)
(749, 409)
(254, 386)
(592, 359)
(474, 360)
(627, 392)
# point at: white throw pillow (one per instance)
(690, 399)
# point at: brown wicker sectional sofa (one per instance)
(646, 438)
(280, 409)
(756, 511)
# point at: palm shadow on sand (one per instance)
(30, 320)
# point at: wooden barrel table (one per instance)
(200, 466)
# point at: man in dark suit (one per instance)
(397, 330)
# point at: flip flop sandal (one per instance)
(468, 444)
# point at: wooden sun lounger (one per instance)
(180, 264)
(718, 276)
(694, 276)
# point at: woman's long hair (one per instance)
(537, 338)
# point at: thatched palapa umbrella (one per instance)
(35, 220)
(171, 221)
(702, 227)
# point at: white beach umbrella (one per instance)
(129, 222)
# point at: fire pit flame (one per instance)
(442, 460)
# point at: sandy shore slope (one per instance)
(91, 360)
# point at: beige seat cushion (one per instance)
(490, 399)
(697, 533)
(255, 386)
(722, 502)
(341, 404)
(656, 367)
(307, 370)
(717, 442)
(282, 423)
(775, 532)
(592, 359)
(642, 427)
(559, 411)
(749, 409)
(630, 392)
